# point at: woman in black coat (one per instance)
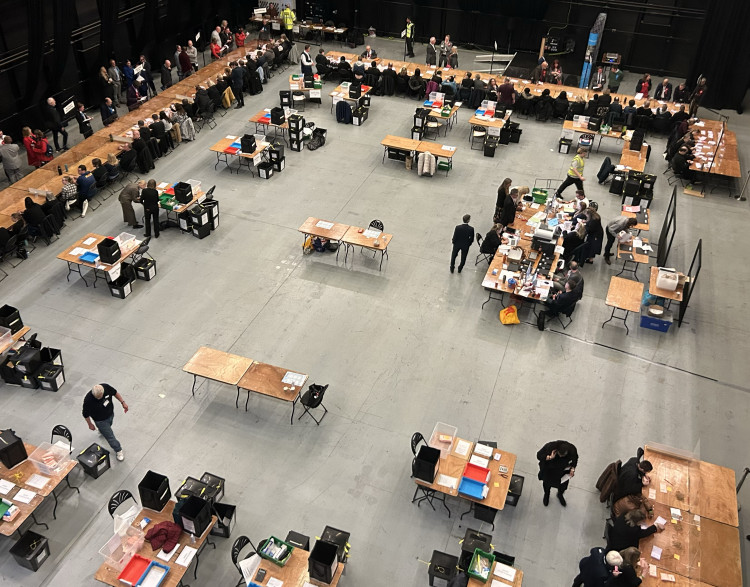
(508, 215)
(557, 459)
(627, 531)
(594, 234)
(491, 241)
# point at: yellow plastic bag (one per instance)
(509, 315)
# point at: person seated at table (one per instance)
(437, 77)
(573, 276)
(680, 164)
(451, 83)
(561, 105)
(572, 240)
(344, 65)
(18, 223)
(491, 240)
(627, 531)
(645, 109)
(479, 83)
(605, 98)
(203, 101)
(144, 131)
(631, 571)
(545, 106)
(682, 94)
(580, 213)
(99, 172)
(592, 107)
(663, 119)
(680, 116)
(321, 63)
(559, 302)
(127, 157)
(358, 68)
(5, 236)
(633, 477)
(69, 193)
(417, 84)
(403, 77)
(524, 102)
(374, 71)
(33, 215)
(108, 112)
(112, 166)
(540, 73)
(467, 82)
(555, 75)
(615, 112)
(492, 85)
(629, 112)
(663, 91)
(368, 54)
(598, 568)
(214, 95)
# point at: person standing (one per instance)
(166, 75)
(129, 194)
(557, 464)
(575, 173)
(116, 76)
(147, 75)
(697, 96)
(53, 121)
(432, 52)
(11, 160)
(150, 201)
(186, 66)
(237, 79)
(613, 229)
(287, 18)
(84, 121)
(99, 413)
(409, 38)
(445, 50)
(463, 237)
(192, 53)
(614, 78)
(306, 61)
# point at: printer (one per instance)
(544, 240)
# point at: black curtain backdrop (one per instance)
(724, 53)
(108, 10)
(35, 23)
(64, 21)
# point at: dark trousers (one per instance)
(149, 214)
(409, 47)
(454, 254)
(237, 91)
(610, 241)
(560, 489)
(568, 182)
(64, 134)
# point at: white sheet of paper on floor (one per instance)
(6, 486)
(483, 450)
(505, 572)
(656, 553)
(462, 447)
(293, 378)
(24, 496)
(447, 481)
(186, 556)
(166, 556)
(371, 233)
(89, 241)
(324, 224)
(274, 582)
(479, 461)
(38, 481)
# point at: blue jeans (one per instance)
(105, 427)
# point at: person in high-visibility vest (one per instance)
(575, 173)
(409, 38)
(287, 18)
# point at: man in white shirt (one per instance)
(306, 60)
(432, 52)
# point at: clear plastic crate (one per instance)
(442, 438)
(6, 336)
(50, 458)
(118, 550)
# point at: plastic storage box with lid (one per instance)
(145, 269)
(201, 232)
(6, 337)
(480, 566)
(660, 323)
(133, 570)
(265, 169)
(10, 317)
(119, 549)
(31, 550)
(12, 449)
(442, 438)
(49, 458)
(121, 287)
(94, 460)
(154, 491)
(276, 550)
(323, 561)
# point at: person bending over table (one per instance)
(632, 570)
(557, 460)
(575, 173)
(597, 569)
(573, 240)
(614, 227)
(680, 164)
(627, 531)
(129, 194)
(633, 477)
(510, 206)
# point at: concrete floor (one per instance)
(401, 349)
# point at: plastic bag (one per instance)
(509, 315)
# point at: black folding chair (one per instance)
(312, 399)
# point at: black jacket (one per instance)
(463, 236)
(109, 113)
(99, 409)
(622, 535)
(553, 470)
(663, 92)
(508, 215)
(237, 78)
(51, 116)
(127, 160)
(84, 125)
(490, 243)
(630, 480)
(150, 199)
(34, 215)
(157, 130)
(203, 100)
(166, 76)
(594, 570)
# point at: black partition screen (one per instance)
(690, 282)
(668, 229)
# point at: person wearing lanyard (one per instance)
(99, 412)
(575, 173)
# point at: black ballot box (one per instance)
(12, 450)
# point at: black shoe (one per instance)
(607, 260)
(540, 321)
(452, 269)
(156, 236)
(460, 269)
(545, 499)
(137, 226)
(562, 499)
(589, 261)
(146, 235)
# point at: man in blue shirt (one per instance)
(86, 184)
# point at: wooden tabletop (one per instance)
(494, 122)
(436, 149)
(400, 143)
(625, 294)
(335, 233)
(680, 581)
(344, 93)
(678, 542)
(226, 142)
(517, 581)
(124, 252)
(717, 550)
(19, 475)
(663, 293)
(217, 365)
(438, 114)
(266, 379)
(637, 257)
(713, 493)
(337, 55)
(108, 575)
(634, 159)
(256, 118)
(725, 157)
(295, 572)
(353, 236)
(670, 479)
(639, 226)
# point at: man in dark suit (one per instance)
(237, 82)
(664, 91)
(53, 121)
(368, 54)
(166, 75)
(463, 237)
(108, 112)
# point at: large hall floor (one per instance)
(401, 349)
